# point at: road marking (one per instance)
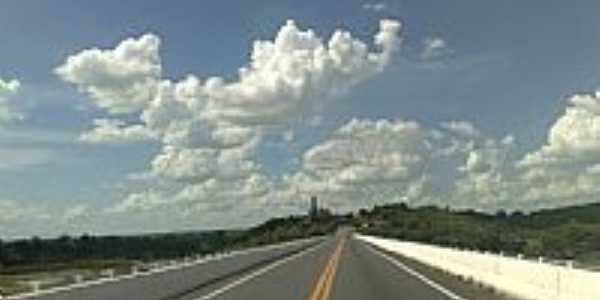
(323, 288)
(450, 294)
(163, 269)
(321, 282)
(257, 273)
(334, 269)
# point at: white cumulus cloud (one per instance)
(434, 48)
(296, 73)
(114, 131)
(575, 136)
(120, 80)
(563, 170)
(210, 127)
(367, 162)
(461, 127)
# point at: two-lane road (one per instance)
(334, 268)
(342, 268)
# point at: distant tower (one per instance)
(314, 207)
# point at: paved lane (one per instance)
(292, 280)
(364, 274)
(171, 284)
(343, 268)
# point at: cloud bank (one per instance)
(210, 127)
(368, 162)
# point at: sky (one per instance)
(121, 117)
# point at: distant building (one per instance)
(314, 207)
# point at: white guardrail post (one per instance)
(135, 269)
(78, 278)
(35, 286)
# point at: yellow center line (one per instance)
(323, 288)
(333, 272)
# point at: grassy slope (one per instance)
(566, 233)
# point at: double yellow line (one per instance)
(323, 288)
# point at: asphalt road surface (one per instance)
(338, 268)
(343, 268)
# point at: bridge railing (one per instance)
(513, 275)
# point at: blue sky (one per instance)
(510, 69)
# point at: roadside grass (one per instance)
(72, 265)
(10, 285)
(590, 261)
(17, 280)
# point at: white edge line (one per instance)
(418, 275)
(210, 258)
(257, 273)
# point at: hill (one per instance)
(563, 233)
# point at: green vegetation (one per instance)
(565, 233)
(12, 285)
(56, 261)
(285, 229)
(121, 252)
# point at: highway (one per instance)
(335, 268)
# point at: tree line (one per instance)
(565, 233)
(37, 254)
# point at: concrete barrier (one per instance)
(522, 278)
